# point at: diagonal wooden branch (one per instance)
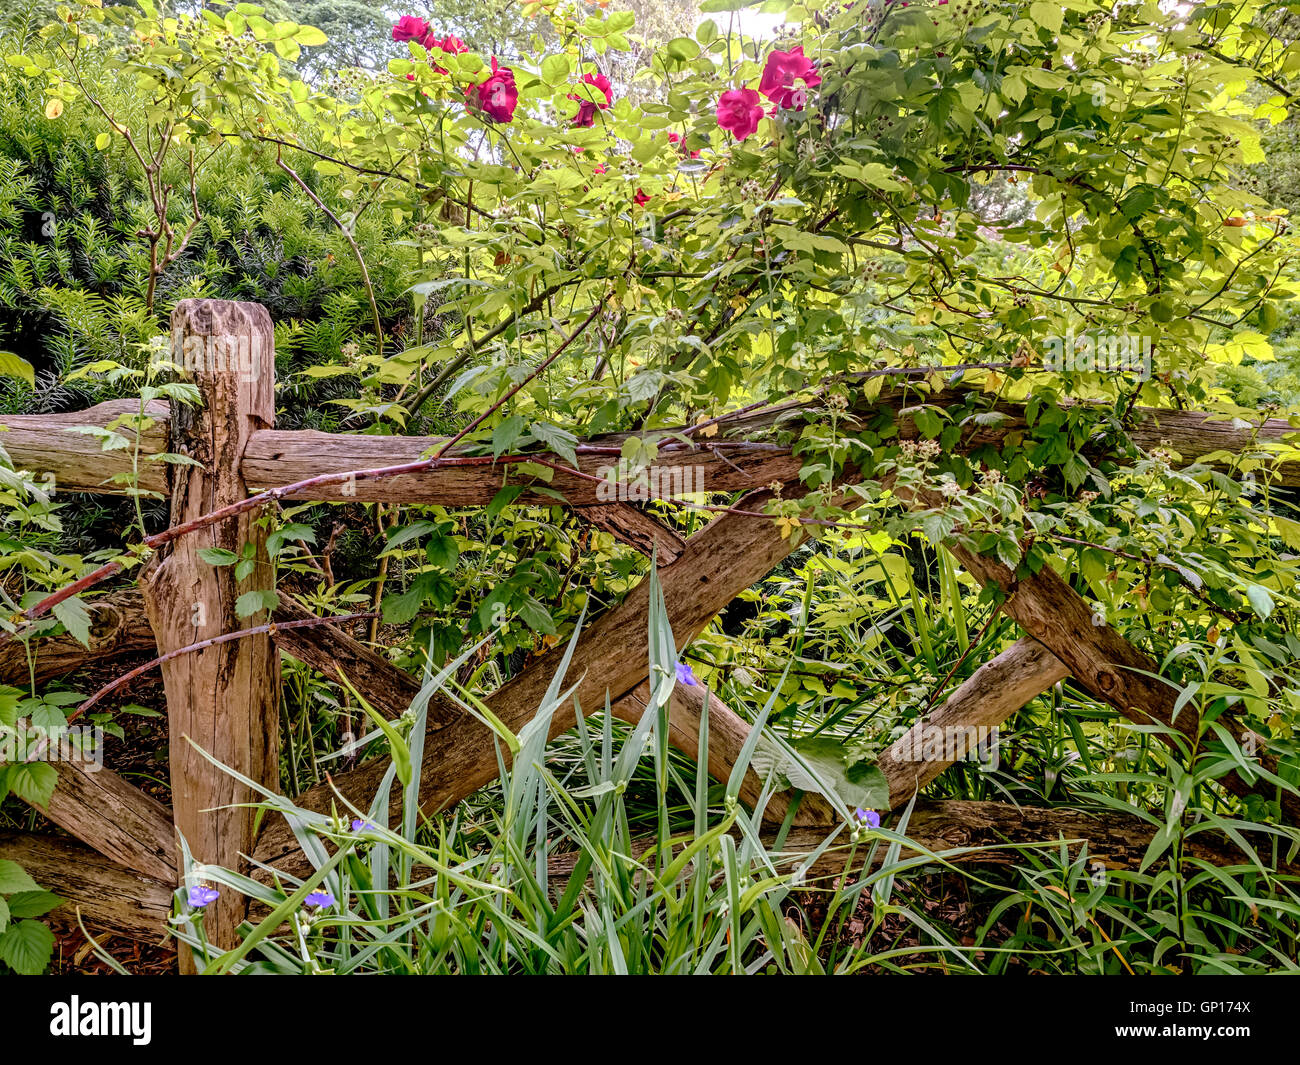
(611, 658)
(1100, 659)
(987, 698)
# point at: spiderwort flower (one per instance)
(684, 674)
(739, 112)
(319, 898)
(781, 72)
(868, 817)
(200, 895)
(359, 825)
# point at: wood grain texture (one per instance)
(636, 528)
(115, 817)
(987, 698)
(41, 443)
(109, 898)
(225, 698)
(118, 627)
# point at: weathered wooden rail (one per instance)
(225, 698)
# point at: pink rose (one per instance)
(739, 111)
(641, 197)
(496, 97)
(410, 28)
(587, 107)
(783, 69)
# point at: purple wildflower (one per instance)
(685, 676)
(868, 817)
(200, 896)
(359, 825)
(320, 898)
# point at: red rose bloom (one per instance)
(641, 198)
(587, 107)
(739, 111)
(496, 97)
(783, 69)
(410, 28)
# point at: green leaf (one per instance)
(13, 366)
(218, 556)
(33, 903)
(75, 618)
(536, 617)
(555, 69)
(1260, 599)
(27, 947)
(14, 878)
(32, 782)
(251, 603)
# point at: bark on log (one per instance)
(987, 698)
(118, 627)
(42, 444)
(116, 818)
(109, 897)
(1117, 840)
(636, 528)
(225, 698)
(37, 442)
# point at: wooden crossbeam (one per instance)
(108, 896)
(118, 626)
(42, 443)
(1102, 661)
(987, 698)
(1117, 840)
(635, 527)
(39, 442)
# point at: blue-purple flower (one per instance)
(359, 825)
(685, 676)
(319, 898)
(200, 895)
(868, 817)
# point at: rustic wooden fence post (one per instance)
(224, 698)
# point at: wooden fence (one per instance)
(225, 697)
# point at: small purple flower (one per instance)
(868, 817)
(319, 898)
(200, 896)
(685, 676)
(359, 825)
